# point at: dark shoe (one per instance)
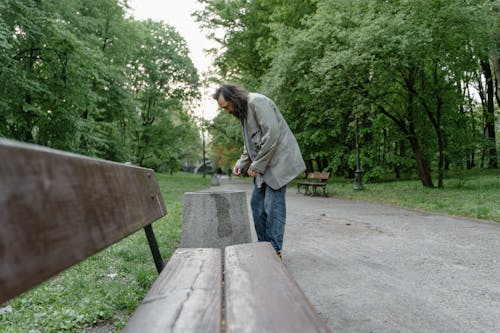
(279, 254)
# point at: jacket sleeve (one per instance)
(269, 133)
(244, 162)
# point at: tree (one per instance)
(248, 42)
(56, 75)
(246, 51)
(226, 141)
(389, 56)
(80, 76)
(36, 80)
(163, 78)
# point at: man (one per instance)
(270, 154)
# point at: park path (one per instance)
(378, 268)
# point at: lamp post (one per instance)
(203, 128)
(358, 174)
(204, 150)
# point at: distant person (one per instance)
(219, 173)
(271, 155)
(229, 173)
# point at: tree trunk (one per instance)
(489, 114)
(397, 167)
(27, 136)
(407, 127)
(322, 163)
(439, 132)
(309, 166)
(423, 168)
(496, 68)
(441, 157)
(470, 151)
(325, 163)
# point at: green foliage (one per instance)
(226, 144)
(248, 40)
(178, 132)
(107, 287)
(81, 76)
(163, 78)
(386, 63)
(248, 45)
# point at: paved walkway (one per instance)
(376, 268)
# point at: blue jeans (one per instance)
(269, 214)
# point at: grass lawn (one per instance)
(471, 194)
(107, 287)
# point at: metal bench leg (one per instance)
(306, 190)
(153, 245)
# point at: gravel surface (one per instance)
(377, 268)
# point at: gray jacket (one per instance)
(269, 145)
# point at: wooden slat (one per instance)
(261, 296)
(312, 183)
(186, 297)
(58, 208)
(318, 175)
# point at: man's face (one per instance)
(225, 105)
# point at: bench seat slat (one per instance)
(261, 296)
(312, 183)
(186, 297)
(319, 175)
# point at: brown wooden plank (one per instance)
(186, 297)
(261, 296)
(318, 175)
(312, 183)
(58, 208)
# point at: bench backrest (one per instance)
(57, 209)
(322, 176)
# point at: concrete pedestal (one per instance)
(215, 219)
(214, 181)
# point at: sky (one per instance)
(177, 13)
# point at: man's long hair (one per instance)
(235, 95)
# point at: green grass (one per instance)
(473, 194)
(107, 287)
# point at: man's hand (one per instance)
(237, 171)
(252, 173)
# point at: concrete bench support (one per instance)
(215, 219)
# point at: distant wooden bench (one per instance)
(314, 181)
(57, 209)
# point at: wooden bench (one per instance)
(57, 209)
(242, 288)
(314, 181)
